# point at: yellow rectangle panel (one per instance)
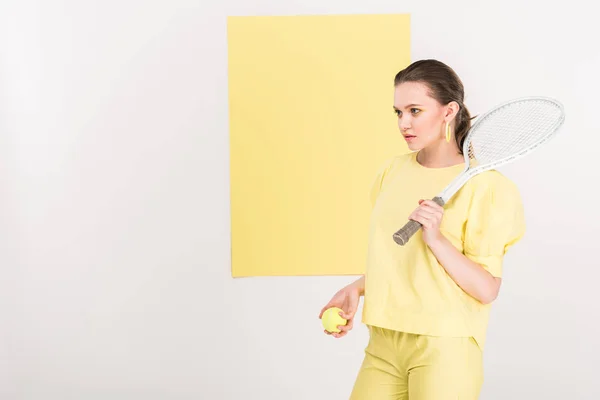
(311, 120)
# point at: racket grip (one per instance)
(402, 236)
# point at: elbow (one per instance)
(487, 298)
(491, 293)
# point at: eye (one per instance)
(397, 112)
(415, 111)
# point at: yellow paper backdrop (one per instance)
(311, 121)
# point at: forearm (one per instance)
(360, 285)
(470, 276)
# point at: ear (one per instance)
(452, 110)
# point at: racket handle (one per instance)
(411, 227)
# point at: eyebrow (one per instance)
(409, 106)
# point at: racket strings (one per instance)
(511, 130)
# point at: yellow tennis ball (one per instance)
(331, 319)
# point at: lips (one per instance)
(409, 137)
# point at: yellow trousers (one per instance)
(403, 366)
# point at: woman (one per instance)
(427, 303)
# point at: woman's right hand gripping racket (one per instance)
(502, 135)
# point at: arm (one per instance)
(470, 276)
(360, 285)
(347, 299)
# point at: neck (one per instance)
(440, 155)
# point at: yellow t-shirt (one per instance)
(406, 288)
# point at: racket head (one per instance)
(511, 130)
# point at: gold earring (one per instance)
(448, 133)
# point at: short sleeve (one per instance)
(495, 223)
(378, 181)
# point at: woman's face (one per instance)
(421, 118)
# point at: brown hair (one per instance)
(445, 86)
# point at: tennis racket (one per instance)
(504, 134)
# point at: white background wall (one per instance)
(115, 254)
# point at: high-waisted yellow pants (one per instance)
(403, 366)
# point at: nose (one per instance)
(404, 123)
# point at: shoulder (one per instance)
(393, 163)
(492, 181)
(493, 192)
(496, 217)
(385, 171)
